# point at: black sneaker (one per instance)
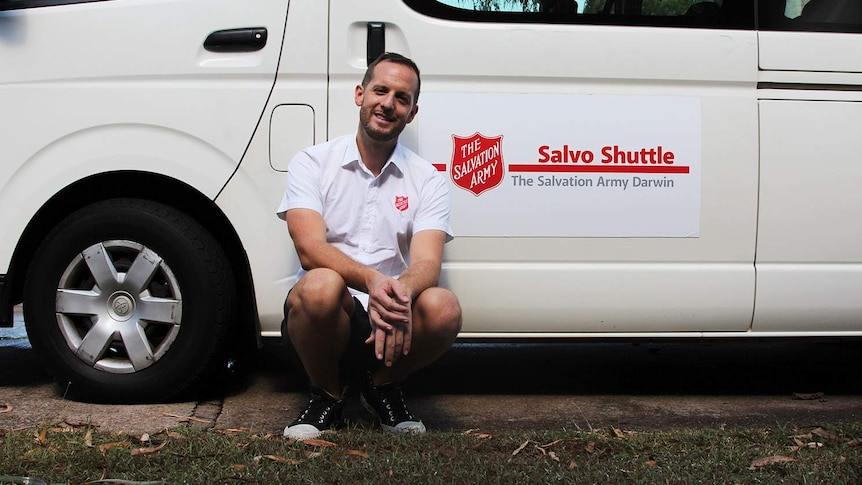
(387, 403)
(322, 412)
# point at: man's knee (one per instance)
(319, 294)
(440, 310)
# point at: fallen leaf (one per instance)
(553, 456)
(144, 438)
(81, 424)
(572, 465)
(799, 445)
(769, 460)
(825, 434)
(5, 408)
(552, 443)
(185, 419)
(808, 396)
(471, 431)
(104, 447)
(618, 433)
(357, 453)
(483, 436)
(278, 459)
(650, 463)
(238, 467)
(319, 443)
(854, 443)
(591, 447)
(42, 438)
(148, 450)
(521, 448)
(88, 439)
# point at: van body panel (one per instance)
(514, 276)
(65, 96)
(809, 51)
(294, 117)
(809, 258)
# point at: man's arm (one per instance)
(426, 254)
(308, 231)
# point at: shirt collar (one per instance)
(398, 159)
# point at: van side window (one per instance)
(811, 15)
(22, 4)
(737, 14)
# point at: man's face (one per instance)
(388, 102)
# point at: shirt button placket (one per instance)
(369, 215)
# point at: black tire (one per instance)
(111, 334)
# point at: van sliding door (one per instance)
(602, 157)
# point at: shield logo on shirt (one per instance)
(401, 202)
(477, 162)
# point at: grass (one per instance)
(81, 454)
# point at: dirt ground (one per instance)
(634, 386)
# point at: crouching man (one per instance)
(368, 219)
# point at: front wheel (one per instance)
(128, 300)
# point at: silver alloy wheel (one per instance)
(119, 306)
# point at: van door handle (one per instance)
(236, 40)
(376, 41)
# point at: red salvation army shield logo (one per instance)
(477, 162)
(401, 203)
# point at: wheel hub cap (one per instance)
(121, 306)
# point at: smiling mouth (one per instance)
(384, 117)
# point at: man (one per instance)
(369, 219)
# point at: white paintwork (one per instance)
(810, 51)
(531, 284)
(126, 85)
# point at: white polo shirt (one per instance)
(372, 220)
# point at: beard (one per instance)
(366, 119)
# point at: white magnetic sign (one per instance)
(558, 165)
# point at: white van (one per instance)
(619, 168)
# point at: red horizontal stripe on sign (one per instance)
(441, 167)
(599, 168)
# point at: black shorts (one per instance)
(357, 359)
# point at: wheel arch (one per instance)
(149, 186)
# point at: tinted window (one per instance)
(20, 4)
(811, 15)
(671, 13)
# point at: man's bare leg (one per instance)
(319, 326)
(436, 323)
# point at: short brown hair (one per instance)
(398, 59)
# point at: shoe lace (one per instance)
(318, 410)
(391, 401)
